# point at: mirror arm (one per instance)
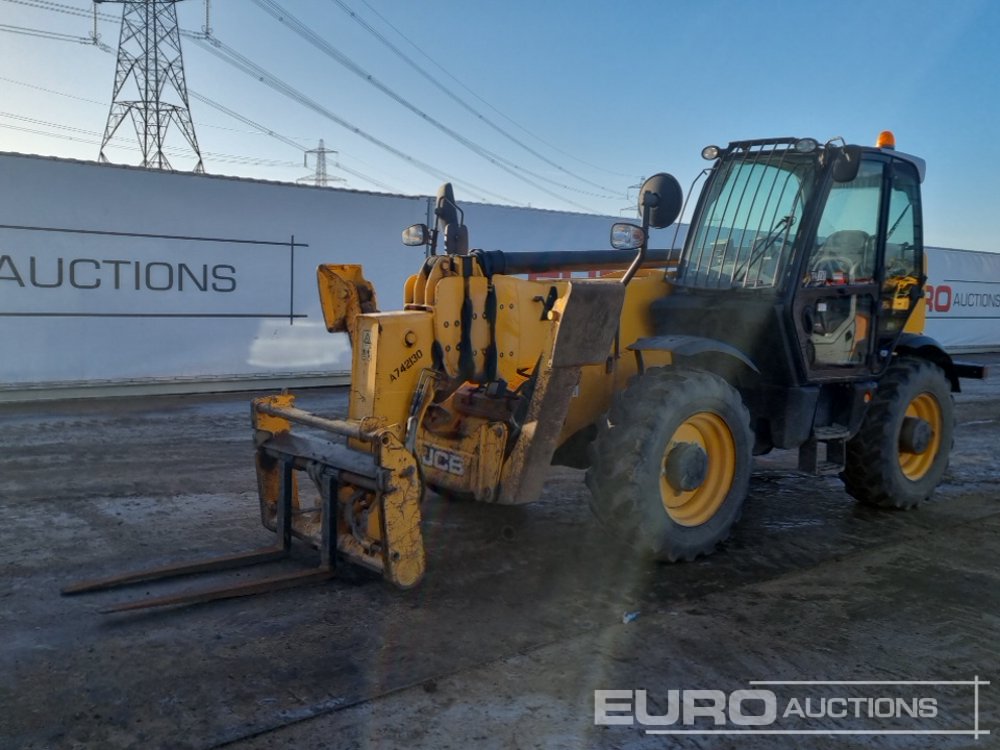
(647, 204)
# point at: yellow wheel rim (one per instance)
(697, 506)
(916, 465)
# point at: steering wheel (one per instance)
(833, 269)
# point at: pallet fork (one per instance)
(368, 509)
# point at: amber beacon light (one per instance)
(885, 140)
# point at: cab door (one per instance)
(902, 268)
(837, 297)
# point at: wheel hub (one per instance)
(686, 467)
(915, 435)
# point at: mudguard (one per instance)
(689, 346)
(924, 346)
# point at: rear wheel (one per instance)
(901, 451)
(671, 463)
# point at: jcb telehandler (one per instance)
(791, 318)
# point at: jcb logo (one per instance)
(442, 460)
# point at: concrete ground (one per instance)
(519, 620)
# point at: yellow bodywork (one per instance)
(522, 332)
(417, 415)
(344, 294)
(901, 286)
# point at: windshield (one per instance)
(747, 223)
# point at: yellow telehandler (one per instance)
(792, 317)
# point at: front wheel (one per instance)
(671, 463)
(901, 451)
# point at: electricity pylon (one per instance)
(320, 177)
(149, 56)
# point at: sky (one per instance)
(553, 104)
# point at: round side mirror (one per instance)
(662, 195)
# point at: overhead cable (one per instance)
(228, 158)
(232, 57)
(516, 170)
(457, 99)
(439, 66)
(284, 139)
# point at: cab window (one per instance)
(846, 241)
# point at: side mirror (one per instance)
(416, 235)
(847, 164)
(627, 236)
(662, 197)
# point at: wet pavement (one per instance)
(519, 619)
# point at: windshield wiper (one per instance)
(783, 224)
(895, 224)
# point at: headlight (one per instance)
(806, 145)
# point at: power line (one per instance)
(245, 120)
(221, 108)
(43, 34)
(230, 56)
(285, 139)
(516, 170)
(354, 172)
(52, 91)
(456, 98)
(234, 58)
(50, 135)
(191, 92)
(35, 121)
(215, 158)
(61, 8)
(408, 40)
(148, 53)
(228, 158)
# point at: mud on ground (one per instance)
(519, 620)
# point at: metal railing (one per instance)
(746, 225)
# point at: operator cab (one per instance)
(832, 233)
(808, 258)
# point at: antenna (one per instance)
(149, 56)
(319, 178)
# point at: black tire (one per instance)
(628, 459)
(878, 471)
